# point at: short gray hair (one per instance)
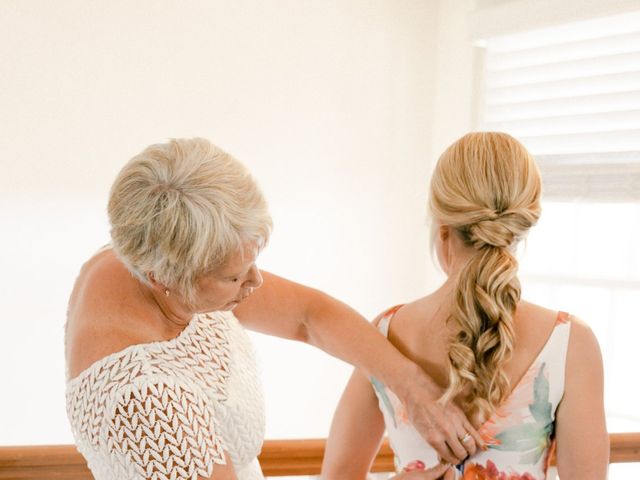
(180, 209)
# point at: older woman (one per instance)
(162, 381)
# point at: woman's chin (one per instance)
(230, 305)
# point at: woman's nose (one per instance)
(255, 278)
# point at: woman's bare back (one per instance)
(420, 331)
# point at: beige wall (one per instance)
(330, 104)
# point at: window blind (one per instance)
(571, 94)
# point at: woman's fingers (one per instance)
(446, 453)
(467, 435)
(436, 472)
(457, 448)
(450, 474)
(467, 441)
(480, 444)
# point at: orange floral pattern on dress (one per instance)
(510, 413)
(551, 453)
(475, 471)
(392, 311)
(563, 317)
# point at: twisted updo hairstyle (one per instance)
(487, 187)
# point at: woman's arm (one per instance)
(222, 471)
(184, 441)
(290, 310)
(356, 434)
(581, 432)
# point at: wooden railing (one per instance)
(278, 458)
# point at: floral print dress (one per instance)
(519, 434)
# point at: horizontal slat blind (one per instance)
(571, 94)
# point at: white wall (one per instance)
(329, 103)
(455, 80)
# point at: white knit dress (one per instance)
(169, 410)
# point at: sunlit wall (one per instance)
(329, 103)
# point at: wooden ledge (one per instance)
(278, 458)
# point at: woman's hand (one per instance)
(444, 427)
(442, 471)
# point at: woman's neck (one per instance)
(172, 311)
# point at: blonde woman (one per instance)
(162, 381)
(528, 377)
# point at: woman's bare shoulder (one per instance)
(535, 323)
(102, 315)
(420, 313)
(535, 315)
(533, 320)
(584, 349)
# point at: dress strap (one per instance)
(385, 319)
(556, 354)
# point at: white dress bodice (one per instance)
(171, 409)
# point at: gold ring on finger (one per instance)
(466, 438)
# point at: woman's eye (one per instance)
(234, 280)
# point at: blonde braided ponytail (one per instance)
(487, 187)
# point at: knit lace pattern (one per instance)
(170, 410)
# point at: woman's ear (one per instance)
(156, 285)
(151, 278)
(444, 231)
(440, 235)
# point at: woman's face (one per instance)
(226, 287)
